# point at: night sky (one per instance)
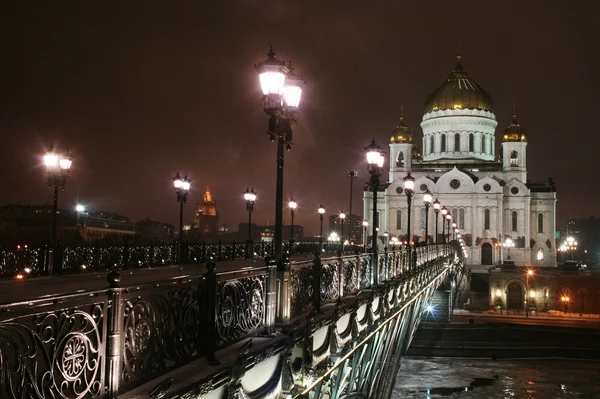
(140, 90)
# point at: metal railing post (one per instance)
(211, 312)
(219, 248)
(316, 282)
(340, 276)
(114, 333)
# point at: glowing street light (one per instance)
(375, 161)
(250, 197)
(182, 189)
(57, 171)
(292, 205)
(436, 209)
(321, 211)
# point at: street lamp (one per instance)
(79, 208)
(321, 211)
(250, 197)
(182, 188)
(409, 186)
(444, 214)
(375, 164)
(436, 209)
(427, 198)
(282, 91)
(386, 235)
(57, 170)
(509, 243)
(529, 274)
(365, 224)
(292, 205)
(453, 231)
(342, 218)
(351, 175)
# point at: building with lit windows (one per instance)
(486, 191)
(206, 217)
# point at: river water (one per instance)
(511, 378)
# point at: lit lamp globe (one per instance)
(365, 223)
(375, 157)
(271, 73)
(292, 205)
(321, 210)
(80, 208)
(342, 215)
(409, 183)
(292, 90)
(250, 196)
(427, 197)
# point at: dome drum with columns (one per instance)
(487, 193)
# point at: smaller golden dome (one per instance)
(416, 154)
(514, 132)
(401, 133)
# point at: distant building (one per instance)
(206, 217)
(352, 233)
(32, 225)
(586, 233)
(150, 230)
(266, 235)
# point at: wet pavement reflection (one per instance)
(491, 379)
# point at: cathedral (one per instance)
(502, 216)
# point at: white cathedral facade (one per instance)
(488, 195)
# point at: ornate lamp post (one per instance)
(375, 164)
(448, 219)
(365, 224)
(386, 235)
(509, 243)
(182, 188)
(444, 214)
(282, 91)
(321, 211)
(351, 175)
(292, 205)
(342, 218)
(427, 198)
(529, 274)
(250, 197)
(436, 209)
(453, 231)
(79, 208)
(57, 170)
(409, 186)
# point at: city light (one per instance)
(79, 208)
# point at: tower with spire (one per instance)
(401, 147)
(206, 216)
(514, 145)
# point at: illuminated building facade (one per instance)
(206, 217)
(487, 193)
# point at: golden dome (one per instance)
(514, 131)
(401, 133)
(416, 154)
(459, 91)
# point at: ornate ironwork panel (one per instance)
(365, 270)
(302, 287)
(139, 256)
(163, 328)
(56, 354)
(111, 257)
(240, 307)
(163, 255)
(330, 281)
(350, 271)
(78, 258)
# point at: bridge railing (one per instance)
(96, 257)
(343, 275)
(106, 342)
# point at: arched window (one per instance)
(400, 160)
(431, 145)
(540, 222)
(486, 219)
(455, 215)
(514, 221)
(457, 142)
(514, 158)
(443, 143)
(483, 140)
(471, 142)
(461, 218)
(422, 224)
(399, 219)
(540, 254)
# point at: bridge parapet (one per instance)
(108, 342)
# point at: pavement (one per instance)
(45, 287)
(552, 318)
